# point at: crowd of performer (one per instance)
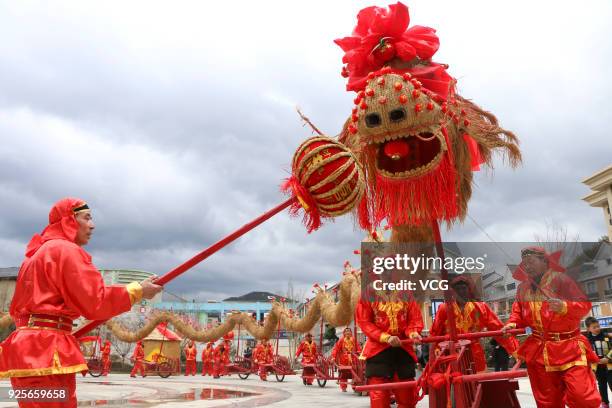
(559, 358)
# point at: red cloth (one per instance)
(475, 317)
(190, 360)
(343, 350)
(404, 397)
(56, 278)
(382, 35)
(308, 350)
(106, 361)
(575, 387)
(219, 357)
(207, 359)
(190, 367)
(380, 319)
(532, 309)
(66, 381)
(263, 355)
(138, 357)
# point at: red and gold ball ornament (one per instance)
(326, 180)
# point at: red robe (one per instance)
(219, 367)
(207, 359)
(308, 350)
(379, 320)
(474, 317)
(106, 351)
(190, 360)
(343, 351)
(138, 357)
(263, 355)
(558, 367)
(58, 279)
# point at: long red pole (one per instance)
(468, 336)
(201, 256)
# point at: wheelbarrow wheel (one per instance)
(164, 370)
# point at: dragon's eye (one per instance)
(372, 120)
(396, 115)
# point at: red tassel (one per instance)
(411, 201)
(475, 155)
(312, 217)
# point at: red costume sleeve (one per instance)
(415, 318)
(338, 346)
(299, 350)
(83, 288)
(364, 315)
(438, 328)
(490, 320)
(516, 316)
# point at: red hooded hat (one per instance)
(553, 261)
(62, 223)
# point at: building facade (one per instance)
(600, 196)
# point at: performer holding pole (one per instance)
(386, 321)
(308, 350)
(190, 358)
(262, 356)
(342, 353)
(138, 359)
(57, 283)
(470, 316)
(207, 359)
(106, 362)
(557, 354)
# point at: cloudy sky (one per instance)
(176, 122)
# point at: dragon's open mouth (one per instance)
(408, 155)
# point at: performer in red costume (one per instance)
(57, 283)
(190, 358)
(218, 359)
(471, 316)
(225, 358)
(343, 352)
(263, 355)
(308, 350)
(207, 359)
(386, 320)
(557, 354)
(138, 359)
(106, 362)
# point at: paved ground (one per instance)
(184, 392)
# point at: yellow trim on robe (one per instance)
(384, 338)
(563, 311)
(37, 372)
(135, 291)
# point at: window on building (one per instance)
(609, 261)
(596, 310)
(511, 286)
(590, 287)
(609, 280)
